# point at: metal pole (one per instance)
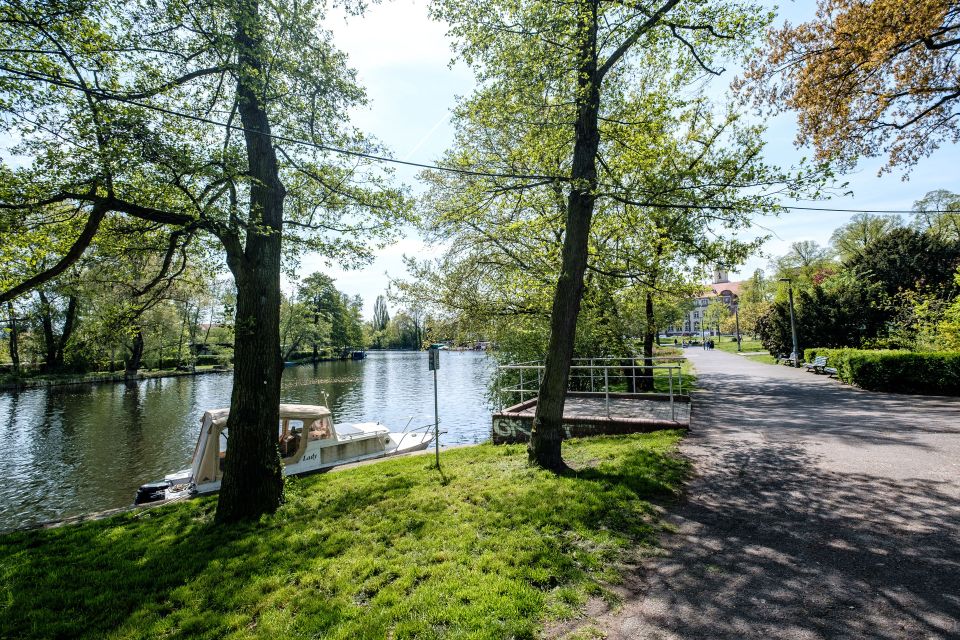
(793, 325)
(521, 384)
(736, 317)
(436, 419)
(591, 374)
(606, 389)
(673, 414)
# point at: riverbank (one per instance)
(488, 548)
(41, 381)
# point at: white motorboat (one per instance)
(308, 441)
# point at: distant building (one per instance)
(721, 288)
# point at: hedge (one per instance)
(208, 359)
(895, 370)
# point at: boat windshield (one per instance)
(291, 432)
(320, 429)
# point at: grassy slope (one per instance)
(489, 550)
(726, 344)
(747, 346)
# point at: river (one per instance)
(77, 449)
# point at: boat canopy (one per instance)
(305, 412)
(209, 452)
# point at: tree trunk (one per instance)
(69, 323)
(136, 355)
(546, 434)
(253, 478)
(14, 342)
(649, 332)
(49, 341)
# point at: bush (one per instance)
(212, 359)
(895, 370)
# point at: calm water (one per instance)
(71, 450)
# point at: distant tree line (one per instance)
(83, 323)
(883, 282)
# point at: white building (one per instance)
(721, 288)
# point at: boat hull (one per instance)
(178, 485)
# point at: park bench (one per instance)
(785, 359)
(818, 365)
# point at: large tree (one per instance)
(852, 239)
(204, 117)
(938, 213)
(567, 90)
(867, 78)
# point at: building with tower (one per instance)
(721, 288)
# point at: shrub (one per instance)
(212, 359)
(895, 370)
(300, 355)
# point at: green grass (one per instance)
(766, 358)
(726, 344)
(492, 548)
(661, 377)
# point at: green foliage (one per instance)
(490, 548)
(716, 313)
(211, 359)
(906, 259)
(938, 214)
(325, 304)
(893, 292)
(851, 240)
(806, 263)
(841, 312)
(895, 370)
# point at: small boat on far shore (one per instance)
(308, 440)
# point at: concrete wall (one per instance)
(512, 426)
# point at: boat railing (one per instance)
(409, 431)
(341, 437)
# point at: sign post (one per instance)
(434, 365)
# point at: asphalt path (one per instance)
(817, 511)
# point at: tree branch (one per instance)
(648, 24)
(79, 246)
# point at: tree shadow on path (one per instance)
(775, 548)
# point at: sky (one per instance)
(403, 60)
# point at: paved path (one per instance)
(818, 511)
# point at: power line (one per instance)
(348, 152)
(469, 172)
(867, 210)
(419, 165)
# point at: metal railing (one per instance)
(408, 431)
(587, 377)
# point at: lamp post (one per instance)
(736, 318)
(793, 325)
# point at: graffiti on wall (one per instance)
(515, 430)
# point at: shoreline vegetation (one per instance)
(9, 382)
(13, 383)
(487, 547)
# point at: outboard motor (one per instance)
(151, 492)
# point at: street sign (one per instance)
(434, 365)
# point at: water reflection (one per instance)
(71, 450)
